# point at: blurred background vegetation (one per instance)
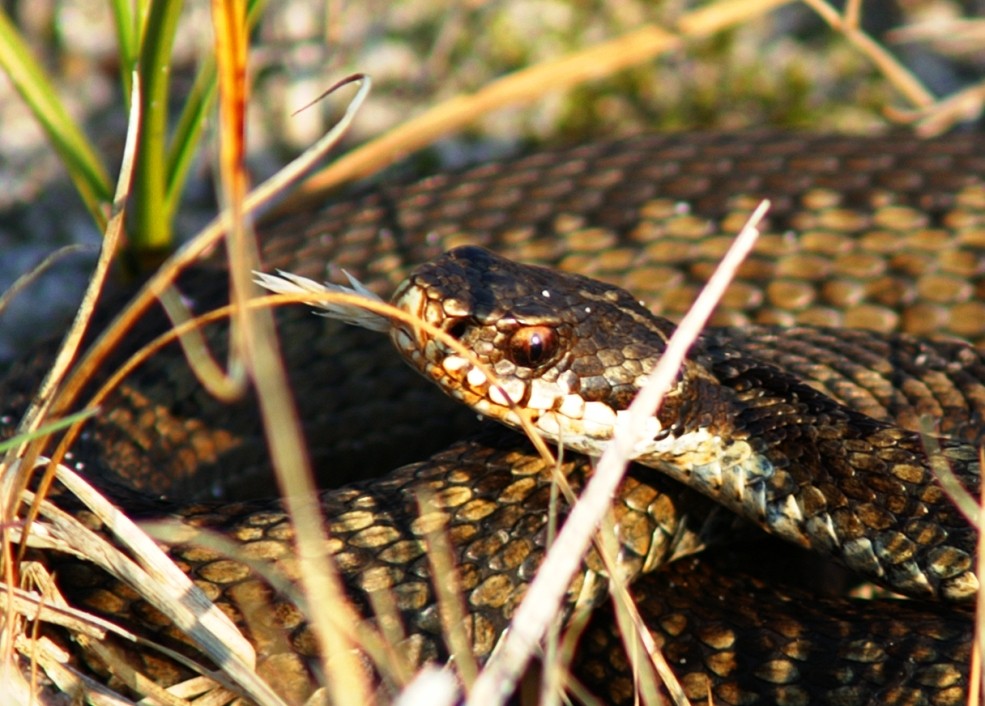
(783, 68)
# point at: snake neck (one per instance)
(817, 473)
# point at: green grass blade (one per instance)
(46, 429)
(80, 160)
(188, 133)
(152, 228)
(128, 20)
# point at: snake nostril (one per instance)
(456, 328)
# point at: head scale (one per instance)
(570, 349)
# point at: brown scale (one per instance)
(882, 231)
(731, 636)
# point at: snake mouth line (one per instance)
(408, 339)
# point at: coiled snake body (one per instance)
(883, 232)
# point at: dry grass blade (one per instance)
(521, 86)
(375, 646)
(255, 339)
(893, 70)
(975, 678)
(555, 670)
(950, 36)
(568, 644)
(90, 630)
(133, 679)
(527, 85)
(225, 385)
(66, 678)
(197, 615)
(160, 582)
(49, 608)
(431, 686)
(111, 240)
(952, 486)
(46, 399)
(533, 616)
(724, 14)
(447, 588)
(936, 119)
(388, 659)
(14, 475)
(27, 279)
(649, 666)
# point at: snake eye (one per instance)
(532, 346)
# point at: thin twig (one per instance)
(897, 74)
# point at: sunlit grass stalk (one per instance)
(151, 231)
(128, 18)
(32, 83)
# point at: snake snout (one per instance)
(408, 337)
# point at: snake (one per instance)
(881, 233)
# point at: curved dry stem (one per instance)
(46, 399)
(55, 398)
(30, 277)
(936, 119)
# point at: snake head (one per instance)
(569, 350)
